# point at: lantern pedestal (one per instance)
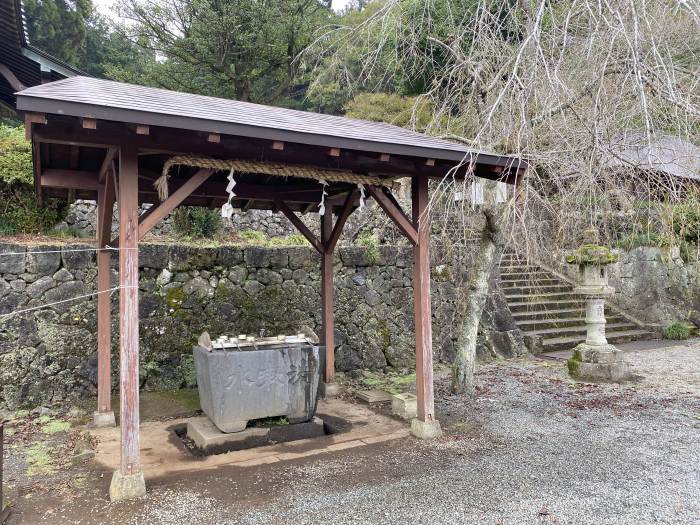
(596, 359)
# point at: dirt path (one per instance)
(533, 447)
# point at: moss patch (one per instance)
(55, 426)
(393, 383)
(592, 254)
(40, 460)
(175, 297)
(573, 363)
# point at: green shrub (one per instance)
(196, 222)
(19, 210)
(371, 245)
(676, 331)
(686, 221)
(255, 237)
(15, 156)
(407, 112)
(630, 242)
(295, 239)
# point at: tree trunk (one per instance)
(490, 250)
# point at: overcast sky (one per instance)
(104, 6)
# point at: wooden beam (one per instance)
(17, 86)
(430, 162)
(327, 297)
(106, 197)
(30, 119)
(334, 152)
(130, 463)
(106, 164)
(348, 208)
(277, 145)
(214, 138)
(394, 212)
(421, 302)
(142, 129)
(88, 123)
(173, 201)
(105, 206)
(70, 179)
(296, 221)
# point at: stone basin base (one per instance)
(208, 439)
(599, 363)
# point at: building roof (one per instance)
(665, 154)
(21, 63)
(108, 100)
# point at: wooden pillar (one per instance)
(128, 481)
(327, 294)
(105, 203)
(421, 301)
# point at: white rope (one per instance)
(322, 204)
(24, 310)
(227, 208)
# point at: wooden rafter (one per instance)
(173, 201)
(107, 163)
(395, 213)
(296, 221)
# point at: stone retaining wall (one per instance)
(82, 218)
(50, 354)
(654, 285)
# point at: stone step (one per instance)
(513, 262)
(549, 314)
(509, 282)
(538, 306)
(536, 289)
(613, 337)
(547, 333)
(530, 325)
(519, 269)
(554, 296)
(526, 275)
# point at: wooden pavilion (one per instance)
(109, 141)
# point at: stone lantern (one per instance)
(595, 359)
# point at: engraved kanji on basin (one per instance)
(239, 382)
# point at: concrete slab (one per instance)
(404, 405)
(373, 396)
(210, 440)
(162, 452)
(207, 437)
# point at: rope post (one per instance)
(4, 512)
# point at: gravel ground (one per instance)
(545, 451)
(533, 447)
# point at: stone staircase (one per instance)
(548, 312)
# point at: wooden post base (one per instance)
(127, 486)
(329, 390)
(103, 419)
(425, 429)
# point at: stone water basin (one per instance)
(239, 382)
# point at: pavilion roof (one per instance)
(117, 101)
